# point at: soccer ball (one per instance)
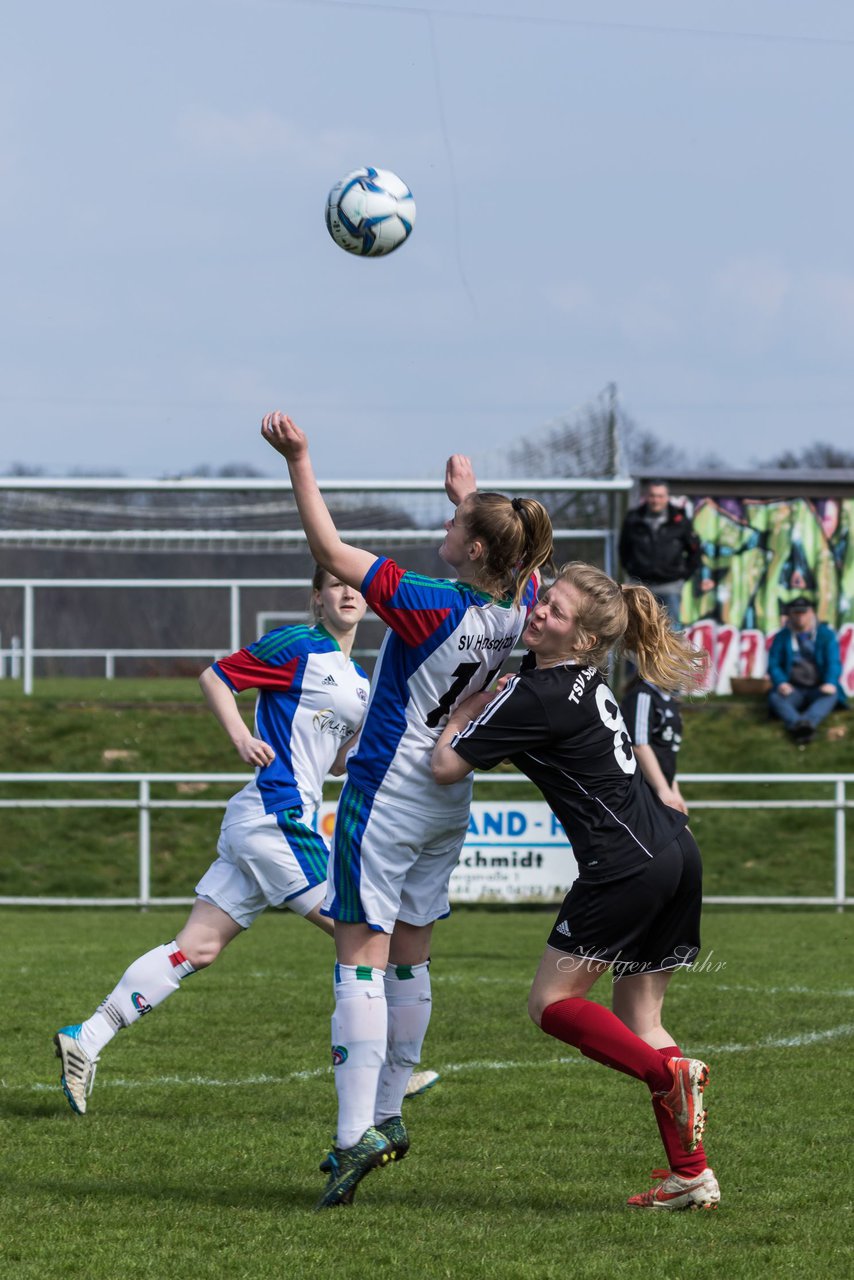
(370, 212)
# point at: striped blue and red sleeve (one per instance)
(529, 596)
(413, 606)
(270, 663)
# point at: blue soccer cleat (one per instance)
(347, 1167)
(395, 1130)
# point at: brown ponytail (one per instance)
(516, 537)
(317, 580)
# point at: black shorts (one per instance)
(643, 923)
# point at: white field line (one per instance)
(844, 993)
(783, 1042)
(453, 1068)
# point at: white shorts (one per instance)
(391, 864)
(269, 861)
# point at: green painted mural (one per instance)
(758, 555)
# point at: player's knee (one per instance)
(406, 1053)
(201, 952)
(536, 1008)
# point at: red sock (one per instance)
(688, 1166)
(600, 1035)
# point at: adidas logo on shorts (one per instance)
(564, 928)
(331, 680)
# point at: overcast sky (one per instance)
(657, 194)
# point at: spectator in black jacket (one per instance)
(658, 547)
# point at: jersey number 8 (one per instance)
(612, 719)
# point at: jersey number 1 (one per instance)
(462, 676)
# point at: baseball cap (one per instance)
(799, 605)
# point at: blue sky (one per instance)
(655, 194)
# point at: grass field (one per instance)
(198, 1157)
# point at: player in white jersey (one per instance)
(398, 835)
(311, 702)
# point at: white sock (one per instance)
(407, 992)
(359, 1029)
(147, 983)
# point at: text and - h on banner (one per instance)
(514, 852)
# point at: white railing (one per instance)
(264, 484)
(22, 657)
(28, 652)
(144, 803)
(23, 652)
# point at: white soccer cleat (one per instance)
(676, 1192)
(420, 1082)
(78, 1069)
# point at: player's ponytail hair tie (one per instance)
(521, 510)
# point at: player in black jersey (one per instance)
(654, 721)
(635, 907)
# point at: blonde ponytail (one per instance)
(608, 616)
(539, 543)
(662, 655)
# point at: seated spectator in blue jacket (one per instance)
(805, 670)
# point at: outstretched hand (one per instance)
(459, 478)
(284, 435)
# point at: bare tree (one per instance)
(229, 471)
(600, 440)
(642, 450)
(818, 456)
(24, 469)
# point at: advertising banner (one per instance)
(514, 852)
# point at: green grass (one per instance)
(163, 725)
(69, 689)
(521, 1162)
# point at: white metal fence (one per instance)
(23, 656)
(145, 804)
(22, 652)
(20, 656)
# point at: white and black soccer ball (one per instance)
(370, 212)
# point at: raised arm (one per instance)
(459, 478)
(347, 563)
